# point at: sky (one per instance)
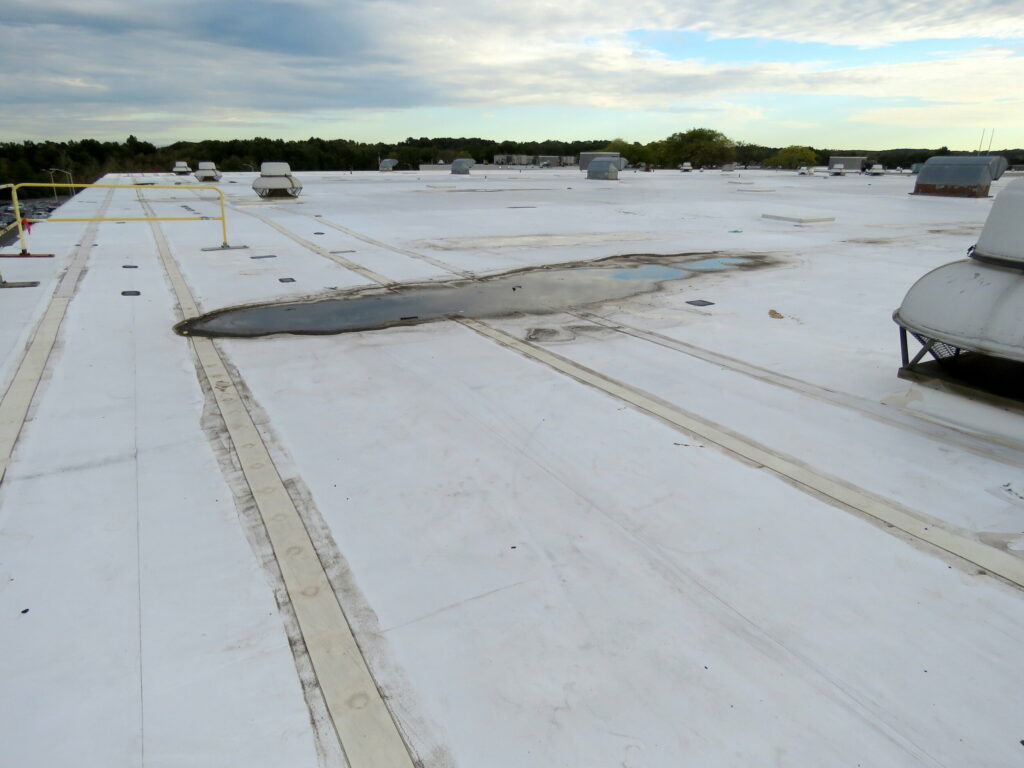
(870, 74)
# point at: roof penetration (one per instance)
(977, 304)
(207, 171)
(462, 165)
(276, 180)
(603, 168)
(959, 176)
(586, 158)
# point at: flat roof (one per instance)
(646, 531)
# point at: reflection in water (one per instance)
(538, 291)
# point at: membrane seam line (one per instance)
(369, 274)
(380, 244)
(22, 388)
(990, 449)
(991, 559)
(366, 729)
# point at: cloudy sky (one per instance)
(869, 74)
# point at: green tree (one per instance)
(792, 157)
(699, 146)
(632, 152)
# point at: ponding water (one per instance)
(536, 291)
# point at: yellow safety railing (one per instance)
(21, 232)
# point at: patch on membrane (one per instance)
(535, 291)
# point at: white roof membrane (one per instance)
(705, 524)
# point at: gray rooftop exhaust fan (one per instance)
(970, 176)
(387, 164)
(462, 165)
(181, 168)
(276, 180)
(972, 308)
(603, 168)
(207, 172)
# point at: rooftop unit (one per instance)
(181, 168)
(462, 165)
(586, 158)
(840, 166)
(603, 168)
(276, 180)
(208, 172)
(876, 170)
(959, 176)
(972, 309)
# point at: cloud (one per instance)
(287, 63)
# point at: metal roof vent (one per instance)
(208, 172)
(1002, 238)
(276, 180)
(462, 165)
(959, 176)
(974, 305)
(181, 168)
(586, 158)
(387, 164)
(603, 168)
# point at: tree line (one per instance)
(89, 159)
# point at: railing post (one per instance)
(17, 220)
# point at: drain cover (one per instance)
(286, 279)
(130, 293)
(701, 303)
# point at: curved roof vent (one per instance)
(388, 164)
(276, 180)
(959, 176)
(603, 168)
(208, 172)
(181, 168)
(462, 165)
(974, 305)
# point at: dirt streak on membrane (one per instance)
(538, 290)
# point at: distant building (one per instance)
(513, 159)
(547, 161)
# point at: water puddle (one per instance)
(542, 290)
